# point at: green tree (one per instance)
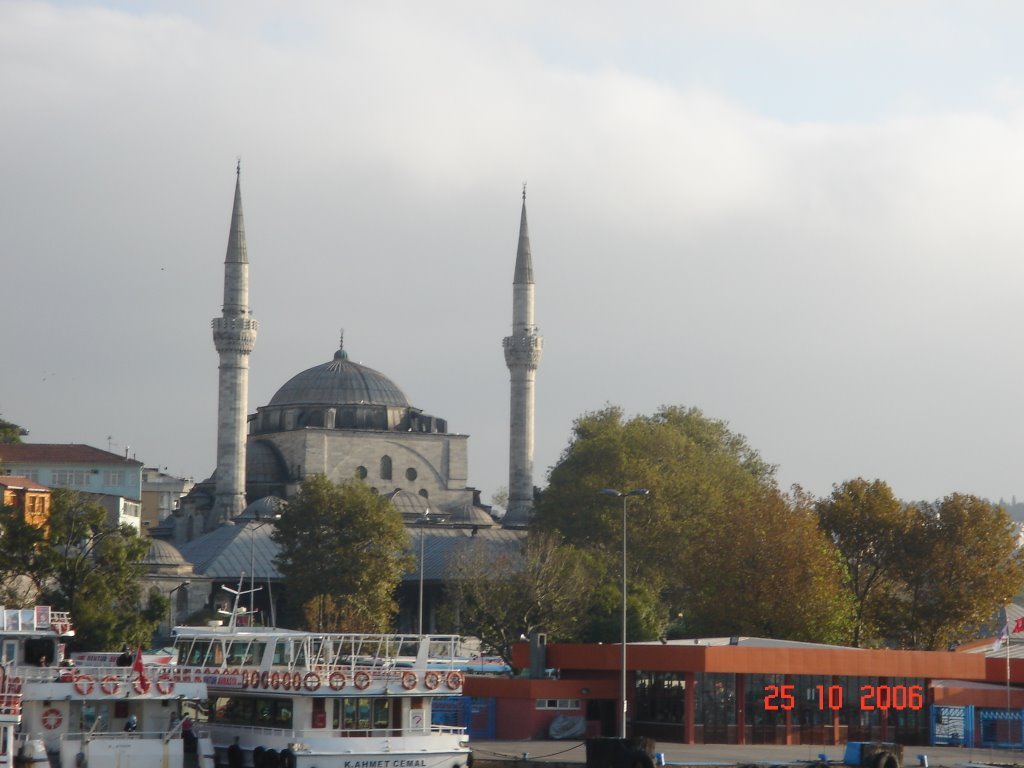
(868, 525)
(764, 568)
(499, 594)
(95, 571)
(80, 563)
(959, 564)
(709, 492)
(11, 432)
(343, 551)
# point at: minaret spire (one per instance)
(522, 355)
(234, 336)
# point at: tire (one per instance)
(272, 759)
(258, 757)
(886, 760)
(287, 758)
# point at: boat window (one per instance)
(381, 713)
(267, 713)
(10, 651)
(355, 713)
(39, 650)
(239, 653)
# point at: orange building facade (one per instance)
(750, 691)
(28, 496)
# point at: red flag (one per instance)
(138, 668)
(1018, 625)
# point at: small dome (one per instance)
(340, 382)
(163, 553)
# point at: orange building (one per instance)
(30, 497)
(745, 690)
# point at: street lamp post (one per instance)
(624, 495)
(422, 521)
(170, 606)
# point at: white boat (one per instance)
(293, 699)
(75, 716)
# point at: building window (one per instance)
(361, 473)
(558, 703)
(385, 468)
(76, 478)
(113, 477)
(410, 474)
(424, 493)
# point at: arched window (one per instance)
(361, 472)
(385, 468)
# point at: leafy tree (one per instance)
(714, 521)
(764, 568)
(498, 595)
(82, 564)
(11, 432)
(959, 563)
(95, 572)
(868, 525)
(343, 550)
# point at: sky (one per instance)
(801, 217)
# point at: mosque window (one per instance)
(410, 473)
(423, 493)
(385, 468)
(361, 473)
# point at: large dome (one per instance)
(340, 382)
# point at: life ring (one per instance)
(431, 680)
(110, 685)
(83, 685)
(454, 679)
(141, 684)
(245, 678)
(264, 680)
(52, 718)
(296, 681)
(337, 680)
(311, 682)
(275, 680)
(361, 680)
(233, 672)
(164, 684)
(409, 680)
(286, 681)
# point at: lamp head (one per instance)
(611, 492)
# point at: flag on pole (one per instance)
(140, 670)
(1004, 636)
(1018, 626)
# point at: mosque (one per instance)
(344, 420)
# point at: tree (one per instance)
(868, 525)
(959, 564)
(82, 564)
(764, 568)
(712, 507)
(498, 594)
(11, 432)
(343, 551)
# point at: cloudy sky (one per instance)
(802, 217)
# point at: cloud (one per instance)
(830, 280)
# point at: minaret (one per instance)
(522, 354)
(234, 336)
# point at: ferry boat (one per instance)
(290, 699)
(76, 716)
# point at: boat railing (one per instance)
(10, 705)
(110, 678)
(389, 733)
